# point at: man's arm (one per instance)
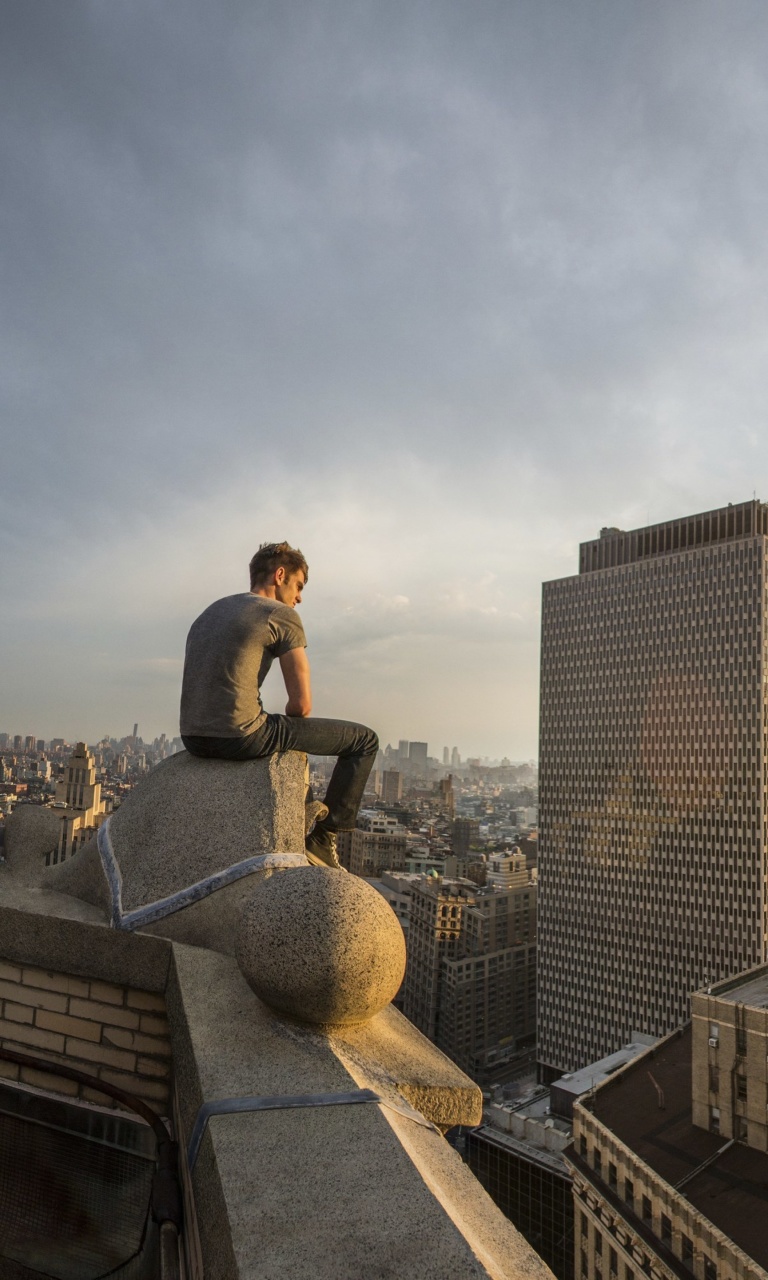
(295, 668)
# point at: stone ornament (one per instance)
(320, 946)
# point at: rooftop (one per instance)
(753, 991)
(648, 1107)
(616, 547)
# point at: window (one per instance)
(666, 1229)
(714, 1031)
(686, 1250)
(741, 1128)
(613, 1177)
(584, 1264)
(647, 1210)
(714, 1119)
(629, 1192)
(584, 1224)
(741, 1088)
(598, 1244)
(613, 1262)
(629, 1274)
(714, 1078)
(710, 1270)
(741, 1040)
(597, 1161)
(582, 1145)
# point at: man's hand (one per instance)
(295, 668)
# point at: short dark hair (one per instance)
(271, 556)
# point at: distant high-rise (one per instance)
(391, 786)
(417, 754)
(470, 982)
(455, 757)
(653, 786)
(466, 835)
(446, 756)
(79, 791)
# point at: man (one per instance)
(230, 649)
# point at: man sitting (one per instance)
(230, 649)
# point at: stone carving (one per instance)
(178, 857)
(321, 946)
(192, 854)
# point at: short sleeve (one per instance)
(288, 632)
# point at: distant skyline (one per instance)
(434, 752)
(432, 291)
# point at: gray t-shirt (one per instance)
(230, 649)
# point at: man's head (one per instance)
(279, 571)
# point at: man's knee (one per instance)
(371, 742)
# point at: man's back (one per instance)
(230, 649)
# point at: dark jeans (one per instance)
(353, 744)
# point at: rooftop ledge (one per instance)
(293, 1191)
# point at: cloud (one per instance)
(435, 292)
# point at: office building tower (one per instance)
(84, 810)
(434, 933)
(455, 758)
(447, 797)
(466, 835)
(391, 786)
(17, 742)
(402, 749)
(417, 754)
(470, 981)
(446, 756)
(376, 844)
(29, 742)
(40, 745)
(653, 778)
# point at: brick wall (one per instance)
(115, 1033)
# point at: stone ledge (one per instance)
(347, 1191)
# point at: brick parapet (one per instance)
(116, 1033)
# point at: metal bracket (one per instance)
(230, 1106)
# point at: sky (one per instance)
(431, 290)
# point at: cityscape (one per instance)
(588, 946)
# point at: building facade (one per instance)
(659, 1189)
(470, 982)
(653, 779)
(84, 811)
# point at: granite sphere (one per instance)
(321, 945)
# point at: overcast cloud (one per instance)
(433, 290)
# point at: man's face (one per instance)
(288, 590)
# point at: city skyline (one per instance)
(30, 742)
(433, 292)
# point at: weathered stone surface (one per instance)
(321, 946)
(389, 1055)
(187, 820)
(31, 832)
(345, 1191)
(341, 1191)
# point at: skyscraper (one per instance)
(653, 795)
